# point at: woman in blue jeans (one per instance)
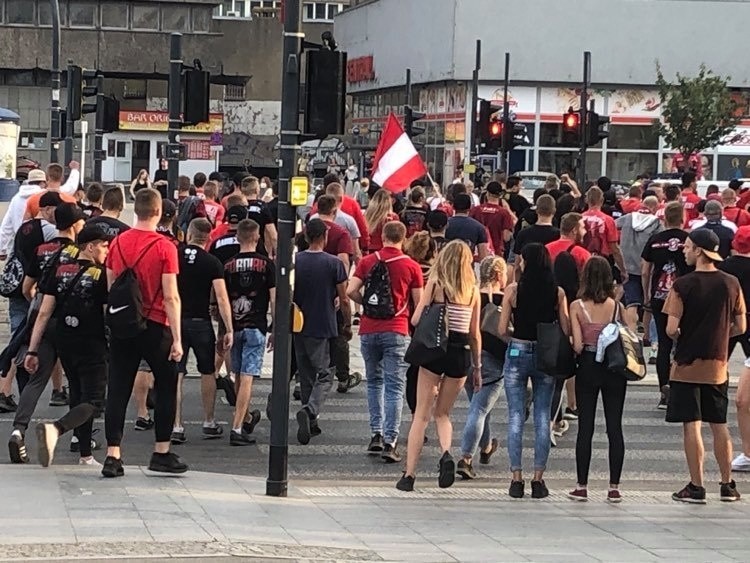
(492, 280)
(535, 299)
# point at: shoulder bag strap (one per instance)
(585, 311)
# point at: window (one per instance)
(333, 9)
(231, 9)
(264, 8)
(82, 13)
(625, 166)
(321, 11)
(559, 162)
(19, 12)
(32, 140)
(176, 18)
(145, 17)
(234, 93)
(633, 137)
(134, 89)
(114, 16)
(201, 19)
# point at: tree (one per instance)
(697, 112)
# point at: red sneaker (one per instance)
(581, 495)
(614, 496)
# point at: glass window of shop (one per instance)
(561, 162)
(732, 166)
(633, 137)
(625, 166)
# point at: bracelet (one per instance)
(32, 354)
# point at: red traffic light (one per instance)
(571, 120)
(496, 129)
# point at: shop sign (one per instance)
(361, 69)
(159, 121)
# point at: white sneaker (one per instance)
(741, 463)
(46, 441)
(90, 462)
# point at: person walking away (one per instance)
(189, 206)
(535, 299)
(258, 211)
(704, 308)
(589, 315)
(214, 210)
(201, 275)
(437, 224)
(93, 205)
(251, 283)
(14, 215)
(724, 229)
(379, 212)
(736, 215)
(317, 304)
(477, 432)
(329, 210)
(541, 232)
(113, 202)
(142, 260)
(451, 284)
(75, 294)
(689, 196)
(464, 228)
(662, 263)
(602, 237)
(226, 246)
(385, 283)
(495, 217)
(414, 216)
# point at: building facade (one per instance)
(626, 38)
(238, 41)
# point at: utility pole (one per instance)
(70, 123)
(506, 115)
(408, 87)
(54, 145)
(276, 484)
(174, 104)
(99, 129)
(582, 121)
(474, 146)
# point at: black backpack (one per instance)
(125, 316)
(188, 209)
(377, 301)
(566, 273)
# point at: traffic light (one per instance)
(110, 115)
(571, 133)
(410, 118)
(495, 135)
(487, 127)
(514, 135)
(595, 128)
(325, 93)
(197, 96)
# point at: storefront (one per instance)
(138, 145)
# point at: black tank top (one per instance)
(527, 314)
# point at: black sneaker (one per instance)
(570, 414)
(729, 492)
(167, 463)
(59, 398)
(690, 494)
(17, 448)
(178, 438)
(376, 445)
(351, 382)
(406, 483)
(212, 432)
(297, 393)
(303, 432)
(447, 471)
(112, 468)
(225, 384)
(248, 427)
(662, 406)
(7, 404)
(539, 489)
(516, 489)
(143, 424)
(465, 470)
(315, 429)
(390, 454)
(484, 457)
(240, 438)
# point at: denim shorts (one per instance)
(247, 352)
(633, 291)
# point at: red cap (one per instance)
(741, 242)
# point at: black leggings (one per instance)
(153, 345)
(664, 352)
(591, 378)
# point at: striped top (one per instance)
(459, 317)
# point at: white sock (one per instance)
(238, 430)
(178, 429)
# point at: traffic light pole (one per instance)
(506, 114)
(474, 147)
(582, 121)
(173, 105)
(54, 145)
(276, 484)
(70, 123)
(99, 129)
(408, 86)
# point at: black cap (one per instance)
(236, 213)
(67, 215)
(735, 184)
(437, 220)
(168, 208)
(315, 229)
(92, 233)
(708, 242)
(238, 177)
(50, 199)
(462, 202)
(495, 188)
(604, 183)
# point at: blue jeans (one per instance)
(477, 430)
(520, 366)
(383, 353)
(18, 308)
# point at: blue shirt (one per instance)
(316, 276)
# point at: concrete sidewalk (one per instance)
(68, 512)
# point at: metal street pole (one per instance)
(70, 124)
(506, 114)
(174, 104)
(408, 86)
(473, 147)
(582, 120)
(276, 484)
(54, 134)
(99, 128)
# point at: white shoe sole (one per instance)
(741, 468)
(46, 436)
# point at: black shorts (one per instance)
(691, 402)
(457, 360)
(198, 335)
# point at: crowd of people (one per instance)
(117, 308)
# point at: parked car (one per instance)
(24, 165)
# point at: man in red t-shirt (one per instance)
(689, 197)
(214, 210)
(153, 259)
(383, 340)
(732, 212)
(339, 241)
(602, 236)
(632, 203)
(496, 218)
(572, 231)
(349, 206)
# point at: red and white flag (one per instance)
(397, 163)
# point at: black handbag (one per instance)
(625, 355)
(554, 353)
(430, 339)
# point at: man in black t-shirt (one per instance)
(200, 273)
(251, 284)
(109, 222)
(75, 295)
(542, 232)
(517, 203)
(226, 246)
(258, 211)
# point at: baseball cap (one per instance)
(735, 184)
(708, 242)
(36, 176)
(168, 208)
(315, 229)
(236, 213)
(741, 242)
(494, 188)
(50, 199)
(713, 209)
(92, 233)
(67, 215)
(437, 220)
(462, 202)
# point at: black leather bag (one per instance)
(625, 355)
(554, 353)
(430, 339)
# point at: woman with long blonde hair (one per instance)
(379, 212)
(452, 283)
